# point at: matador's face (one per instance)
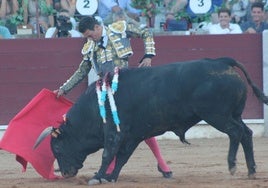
(95, 34)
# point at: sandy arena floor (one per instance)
(202, 164)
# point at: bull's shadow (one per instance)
(151, 101)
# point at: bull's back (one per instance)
(213, 75)
(178, 78)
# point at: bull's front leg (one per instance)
(124, 153)
(101, 176)
(112, 142)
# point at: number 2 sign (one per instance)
(87, 7)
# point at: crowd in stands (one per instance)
(50, 17)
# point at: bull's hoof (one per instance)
(232, 170)
(252, 176)
(165, 174)
(95, 181)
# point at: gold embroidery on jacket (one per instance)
(88, 46)
(117, 35)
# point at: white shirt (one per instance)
(73, 33)
(217, 29)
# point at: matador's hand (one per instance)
(146, 62)
(58, 92)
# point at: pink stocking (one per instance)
(111, 166)
(153, 144)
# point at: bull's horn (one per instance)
(47, 131)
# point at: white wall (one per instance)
(265, 77)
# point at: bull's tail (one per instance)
(259, 93)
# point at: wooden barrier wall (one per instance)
(28, 65)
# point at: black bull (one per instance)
(151, 101)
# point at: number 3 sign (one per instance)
(87, 7)
(200, 6)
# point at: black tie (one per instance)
(100, 44)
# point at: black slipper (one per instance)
(165, 174)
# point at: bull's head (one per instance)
(79, 135)
(66, 149)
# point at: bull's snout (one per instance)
(69, 174)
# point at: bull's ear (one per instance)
(43, 135)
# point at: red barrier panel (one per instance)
(28, 65)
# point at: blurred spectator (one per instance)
(248, 11)
(122, 15)
(131, 12)
(266, 12)
(257, 25)
(224, 26)
(43, 11)
(106, 8)
(8, 8)
(69, 5)
(238, 10)
(173, 7)
(64, 27)
(67, 14)
(4, 33)
(248, 14)
(57, 5)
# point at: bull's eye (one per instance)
(56, 149)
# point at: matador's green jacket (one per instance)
(116, 50)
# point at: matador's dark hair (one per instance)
(87, 22)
